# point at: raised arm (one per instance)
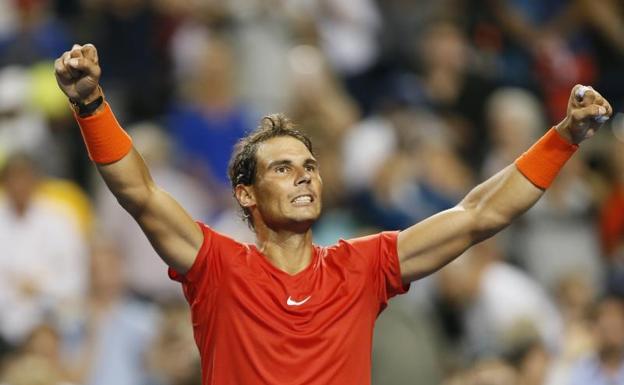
(491, 206)
(171, 231)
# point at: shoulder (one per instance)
(214, 238)
(220, 248)
(370, 242)
(217, 251)
(365, 246)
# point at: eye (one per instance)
(310, 168)
(281, 169)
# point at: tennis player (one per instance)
(283, 310)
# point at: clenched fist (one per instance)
(587, 111)
(78, 73)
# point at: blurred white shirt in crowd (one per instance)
(43, 267)
(508, 301)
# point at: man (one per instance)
(43, 270)
(285, 311)
(605, 365)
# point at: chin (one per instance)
(312, 214)
(305, 219)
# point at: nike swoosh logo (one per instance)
(292, 302)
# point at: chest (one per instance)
(329, 295)
(26, 244)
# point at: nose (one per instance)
(303, 177)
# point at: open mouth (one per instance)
(303, 199)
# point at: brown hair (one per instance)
(243, 162)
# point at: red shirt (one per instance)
(255, 324)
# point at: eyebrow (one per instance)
(310, 161)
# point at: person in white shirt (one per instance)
(43, 256)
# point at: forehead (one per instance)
(282, 148)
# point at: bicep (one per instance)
(170, 229)
(431, 244)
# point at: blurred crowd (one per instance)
(410, 103)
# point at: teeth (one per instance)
(303, 199)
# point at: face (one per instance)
(287, 191)
(444, 46)
(20, 182)
(609, 325)
(106, 274)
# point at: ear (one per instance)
(245, 195)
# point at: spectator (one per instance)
(501, 306)
(172, 358)
(605, 366)
(210, 117)
(117, 329)
(515, 120)
(43, 260)
(37, 36)
(21, 127)
(454, 89)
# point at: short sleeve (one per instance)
(201, 260)
(382, 256)
(207, 268)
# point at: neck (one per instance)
(289, 251)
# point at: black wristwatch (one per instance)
(84, 110)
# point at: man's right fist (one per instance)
(78, 73)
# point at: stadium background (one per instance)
(410, 103)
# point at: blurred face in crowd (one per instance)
(212, 82)
(20, 179)
(609, 326)
(287, 190)
(444, 46)
(106, 272)
(44, 341)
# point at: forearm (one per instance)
(506, 195)
(428, 245)
(499, 200)
(130, 181)
(171, 231)
(120, 165)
